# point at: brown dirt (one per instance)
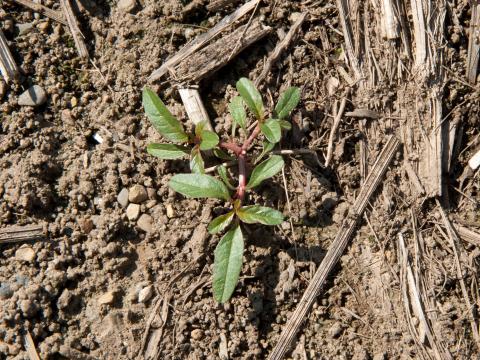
(54, 172)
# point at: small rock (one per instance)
(150, 204)
(145, 294)
(137, 194)
(133, 212)
(335, 330)
(28, 307)
(170, 211)
(25, 253)
(86, 225)
(107, 298)
(196, 334)
(5, 291)
(294, 16)
(122, 197)
(43, 26)
(34, 96)
(24, 28)
(73, 102)
(145, 223)
(127, 5)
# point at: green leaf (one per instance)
(272, 130)
(199, 128)
(238, 112)
(167, 151)
(266, 169)
(260, 214)
(197, 165)
(199, 186)
(287, 102)
(228, 264)
(222, 171)
(251, 96)
(219, 153)
(284, 124)
(220, 223)
(209, 140)
(267, 147)
(161, 118)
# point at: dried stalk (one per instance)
(473, 43)
(454, 243)
(201, 40)
(30, 346)
(74, 29)
(336, 250)
(279, 48)
(8, 66)
(52, 14)
(194, 106)
(389, 20)
(333, 131)
(468, 235)
(420, 32)
(16, 234)
(216, 55)
(216, 5)
(342, 6)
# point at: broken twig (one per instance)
(201, 40)
(74, 29)
(333, 131)
(473, 43)
(281, 46)
(30, 346)
(194, 106)
(15, 234)
(8, 67)
(52, 14)
(336, 250)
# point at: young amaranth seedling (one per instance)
(229, 251)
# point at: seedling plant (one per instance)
(238, 146)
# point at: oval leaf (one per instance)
(167, 151)
(197, 165)
(220, 223)
(267, 147)
(251, 96)
(222, 171)
(287, 102)
(237, 110)
(209, 140)
(199, 186)
(161, 118)
(260, 214)
(228, 264)
(272, 130)
(266, 169)
(284, 124)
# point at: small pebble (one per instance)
(197, 334)
(86, 225)
(127, 5)
(25, 253)
(33, 96)
(5, 291)
(170, 211)
(145, 294)
(137, 194)
(133, 212)
(145, 223)
(24, 28)
(122, 197)
(43, 26)
(106, 298)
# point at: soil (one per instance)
(73, 163)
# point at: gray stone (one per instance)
(127, 5)
(122, 197)
(137, 194)
(34, 96)
(133, 212)
(145, 223)
(24, 28)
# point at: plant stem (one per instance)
(242, 176)
(236, 149)
(252, 136)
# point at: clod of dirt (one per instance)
(197, 334)
(127, 5)
(133, 212)
(33, 96)
(335, 330)
(137, 194)
(25, 253)
(122, 197)
(145, 223)
(107, 298)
